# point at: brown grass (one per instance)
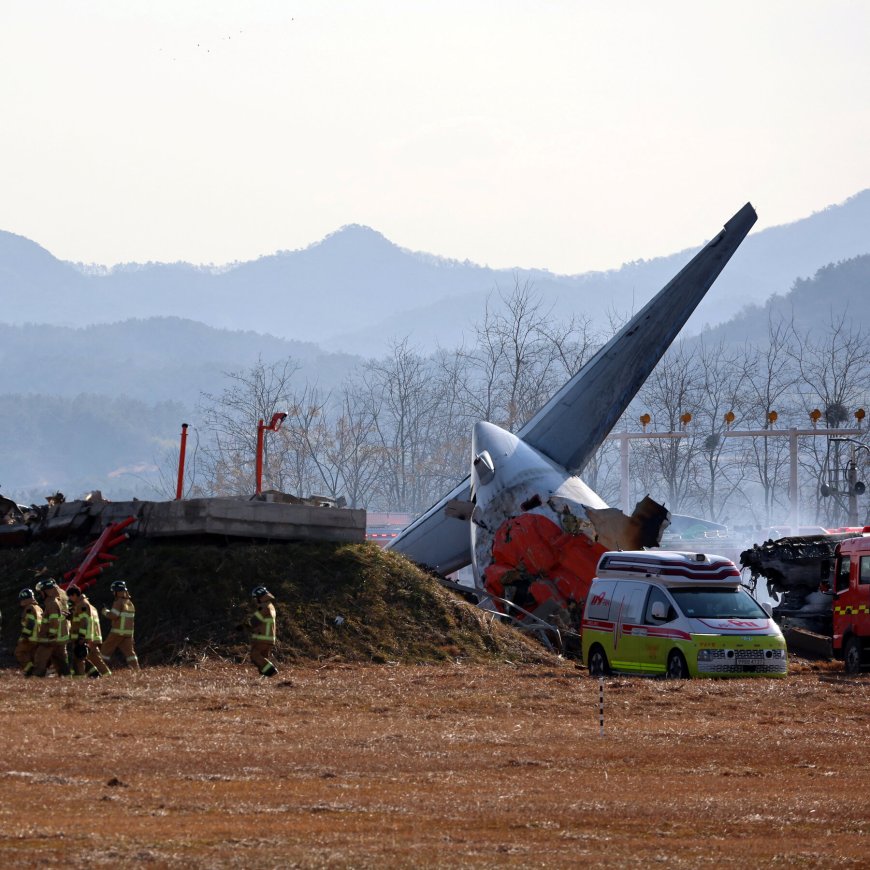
(354, 765)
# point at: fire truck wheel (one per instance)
(598, 664)
(853, 655)
(677, 668)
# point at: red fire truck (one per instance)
(851, 604)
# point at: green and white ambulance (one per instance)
(678, 615)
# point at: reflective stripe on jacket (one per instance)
(54, 626)
(263, 624)
(86, 622)
(30, 619)
(123, 614)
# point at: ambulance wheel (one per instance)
(853, 655)
(598, 664)
(677, 667)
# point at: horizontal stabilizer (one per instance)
(437, 540)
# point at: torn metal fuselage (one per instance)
(523, 487)
(538, 531)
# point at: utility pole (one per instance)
(851, 480)
(854, 487)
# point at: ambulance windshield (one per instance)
(706, 602)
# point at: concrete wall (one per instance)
(223, 517)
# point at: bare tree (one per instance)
(231, 418)
(452, 434)
(833, 368)
(403, 404)
(719, 474)
(770, 385)
(522, 356)
(296, 466)
(353, 450)
(526, 356)
(666, 465)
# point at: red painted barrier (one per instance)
(97, 557)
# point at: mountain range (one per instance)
(355, 290)
(99, 367)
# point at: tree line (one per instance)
(397, 434)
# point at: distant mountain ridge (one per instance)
(153, 360)
(354, 290)
(811, 305)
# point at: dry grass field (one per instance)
(349, 765)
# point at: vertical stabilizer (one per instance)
(574, 423)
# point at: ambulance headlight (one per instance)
(705, 655)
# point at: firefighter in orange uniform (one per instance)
(122, 616)
(53, 633)
(31, 616)
(86, 636)
(262, 626)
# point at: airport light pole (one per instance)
(274, 425)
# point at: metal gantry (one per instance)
(624, 439)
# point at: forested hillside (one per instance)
(100, 407)
(78, 444)
(835, 290)
(158, 359)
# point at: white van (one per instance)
(679, 615)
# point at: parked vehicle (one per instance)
(851, 603)
(678, 615)
(824, 582)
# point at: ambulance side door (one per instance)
(629, 632)
(597, 627)
(657, 645)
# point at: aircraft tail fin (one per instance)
(575, 422)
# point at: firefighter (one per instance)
(53, 633)
(122, 616)
(31, 616)
(261, 624)
(86, 636)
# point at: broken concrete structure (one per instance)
(268, 517)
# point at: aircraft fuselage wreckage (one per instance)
(532, 530)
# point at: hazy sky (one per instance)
(565, 135)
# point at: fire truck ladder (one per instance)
(98, 557)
